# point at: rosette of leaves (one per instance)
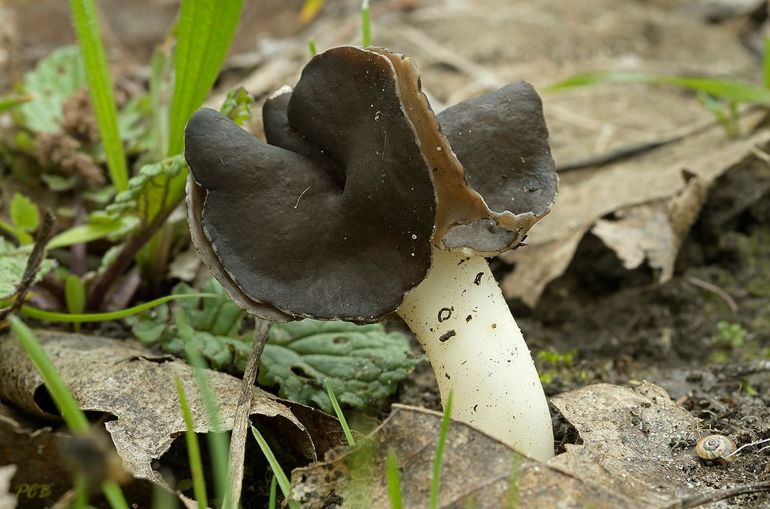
(362, 363)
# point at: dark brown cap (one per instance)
(334, 216)
(338, 228)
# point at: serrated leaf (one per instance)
(142, 189)
(363, 363)
(48, 86)
(13, 261)
(24, 213)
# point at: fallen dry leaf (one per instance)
(137, 389)
(477, 470)
(636, 441)
(635, 450)
(653, 206)
(654, 231)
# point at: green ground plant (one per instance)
(142, 136)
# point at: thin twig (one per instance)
(241, 418)
(715, 290)
(33, 264)
(733, 371)
(750, 444)
(699, 500)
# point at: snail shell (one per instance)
(716, 448)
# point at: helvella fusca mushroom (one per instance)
(363, 202)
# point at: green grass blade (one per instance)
(394, 481)
(435, 482)
(205, 31)
(53, 316)
(366, 24)
(73, 417)
(81, 492)
(84, 233)
(340, 415)
(193, 449)
(280, 475)
(99, 82)
(114, 495)
(312, 48)
(271, 501)
(217, 440)
(728, 90)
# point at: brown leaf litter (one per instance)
(135, 390)
(635, 450)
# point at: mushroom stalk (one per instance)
(460, 317)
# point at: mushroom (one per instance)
(363, 202)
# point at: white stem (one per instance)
(477, 351)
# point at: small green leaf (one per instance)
(237, 105)
(58, 183)
(100, 196)
(24, 213)
(23, 237)
(92, 231)
(13, 261)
